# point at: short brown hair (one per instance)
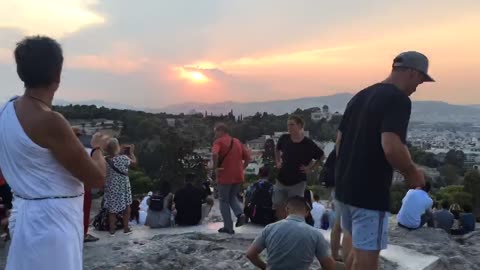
(297, 119)
(221, 127)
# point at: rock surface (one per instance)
(455, 252)
(177, 248)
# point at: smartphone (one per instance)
(127, 150)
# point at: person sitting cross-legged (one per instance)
(291, 243)
(443, 218)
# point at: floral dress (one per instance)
(118, 193)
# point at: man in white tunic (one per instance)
(46, 165)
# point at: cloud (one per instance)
(56, 18)
(6, 56)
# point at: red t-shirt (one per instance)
(232, 164)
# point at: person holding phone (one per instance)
(118, 193)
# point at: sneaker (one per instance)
(128, 232)
(223, 230)
(241, 220)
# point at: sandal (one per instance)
(224, 230)
(90, 238)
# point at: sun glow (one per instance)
(193, 76)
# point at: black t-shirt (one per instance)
(293, 156)
(363, 176)
(188, 202)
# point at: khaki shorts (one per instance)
(282, 193)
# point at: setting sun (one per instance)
(198, 76)
(193, 75)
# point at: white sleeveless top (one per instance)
(47, 233)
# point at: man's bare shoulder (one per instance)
(53, 121)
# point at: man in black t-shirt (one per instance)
(188, 202)
(370, 143)
(295, 155)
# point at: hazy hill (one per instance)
(426, 111)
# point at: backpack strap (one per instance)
(110, 163)
(221, 159)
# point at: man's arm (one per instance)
(215, 154)
(253, 254)
(397, 154)
(246, 157)
(328, 263)
(338, 141)
(67, 149)
(278, 160)
(323, 254)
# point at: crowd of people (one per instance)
(52, 176)
(418, 209)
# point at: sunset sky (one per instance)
(152, 53)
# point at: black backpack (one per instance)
(156, 203)
(100, 222)
(260, 209)
(327, 175)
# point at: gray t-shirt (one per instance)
(443, 219)
(292, 244)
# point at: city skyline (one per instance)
(164, 52)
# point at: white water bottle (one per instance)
(172, 220)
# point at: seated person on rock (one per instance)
(467, 221)
(207, 207)
(318, 210)
(258, 200)
(416, 209)
(291, 243)
(443, 218)
(160, 208)
(188, 202)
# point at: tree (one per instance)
(455, 158)
(472, 186)
(449, 174)
(454, 194)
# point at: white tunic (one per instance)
(48, 233)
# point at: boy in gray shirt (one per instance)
(291, 243)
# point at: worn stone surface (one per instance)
(455, 252)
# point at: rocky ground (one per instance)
(455, 252)
(177, 248)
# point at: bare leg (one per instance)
(365, 260)
(347, 253)
(126, 219)
(335, 236)
(112, 217)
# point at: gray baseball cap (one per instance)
(413, 60)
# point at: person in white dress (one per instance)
(46, 166)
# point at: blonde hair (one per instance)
(113, 146)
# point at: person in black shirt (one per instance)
(295, 155)
(371, 141)
(188, 202)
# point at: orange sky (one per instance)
(162, 52)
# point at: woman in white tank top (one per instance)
(45, 165)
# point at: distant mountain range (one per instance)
(425, 111)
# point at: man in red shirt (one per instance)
(230, 158)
